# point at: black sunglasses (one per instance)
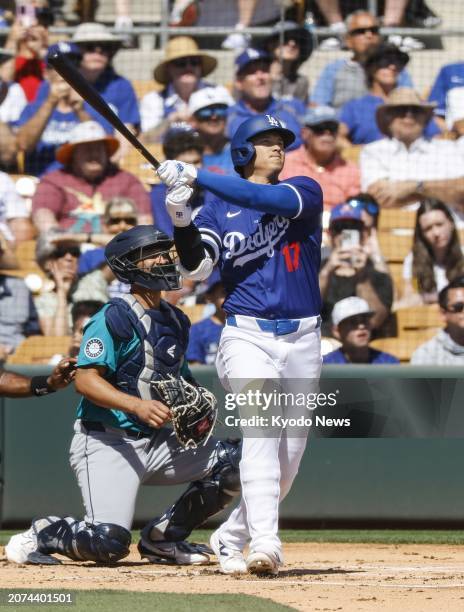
(212, 111)
(61, 251)
(117, 220)
(184, 62)
(328, 126)
(106, 48)
(455, 308)
(360, 31)
(386, 61)
(402, 111)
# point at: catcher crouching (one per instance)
(134, 381)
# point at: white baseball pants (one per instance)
(269, 464)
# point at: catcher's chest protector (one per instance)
(163, 341)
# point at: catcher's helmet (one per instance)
(241, 147)
(141, 242)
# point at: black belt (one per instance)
(130, 433)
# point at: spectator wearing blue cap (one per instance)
(204, 335)
(181, 72)
(318, 158)
(350, 270)
(253, 83)
(46, 123)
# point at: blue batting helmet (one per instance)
(241, 147)
(126, 249)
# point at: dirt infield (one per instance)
(325, 577)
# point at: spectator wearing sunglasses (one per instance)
(58, 259)
(296, 48)
(209, 108)
(407, 167)
(74, 197)
(96, 278)
(383, 65)
(181, 72)
(344, 79)
(98, 47)
(436, 257)
(46, 123)
(446, 347)
(253, 84)
(352, 326)
(318, 158)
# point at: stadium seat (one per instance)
(194, 313)
(423, 317)
(403, 346)
(40, 349)
(394, 247)
(134, 162)
(396, 218)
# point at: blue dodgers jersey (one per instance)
(204, 341)
(269, 264)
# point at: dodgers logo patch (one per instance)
(93, 348)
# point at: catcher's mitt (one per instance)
(193, 409)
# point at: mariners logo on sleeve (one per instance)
(93, 348)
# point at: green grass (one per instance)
(113, 601)
(354, 536)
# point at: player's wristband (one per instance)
(40, 386)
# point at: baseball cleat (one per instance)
(230, 559)
(23, 547)
(20, 546)
(173, 553)
(263, 564)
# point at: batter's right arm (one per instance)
(91, 384)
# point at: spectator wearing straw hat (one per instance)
(74, 197)
(407, 167)
(98, 47)
(181, 72)
(208, 108)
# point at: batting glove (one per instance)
(173, 172)
(178, 206)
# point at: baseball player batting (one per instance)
(120, 440)
(265, 236)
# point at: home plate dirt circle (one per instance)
(325, 577)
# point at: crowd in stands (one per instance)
(362, 131)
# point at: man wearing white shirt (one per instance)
(405, 167)
(15, 223)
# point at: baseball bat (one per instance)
(72, 76)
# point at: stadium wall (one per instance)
(409, 471)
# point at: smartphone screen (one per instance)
(349, 238)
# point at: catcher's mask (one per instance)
(142, 242)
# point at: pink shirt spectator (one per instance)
(79, 205)
(339, 179)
